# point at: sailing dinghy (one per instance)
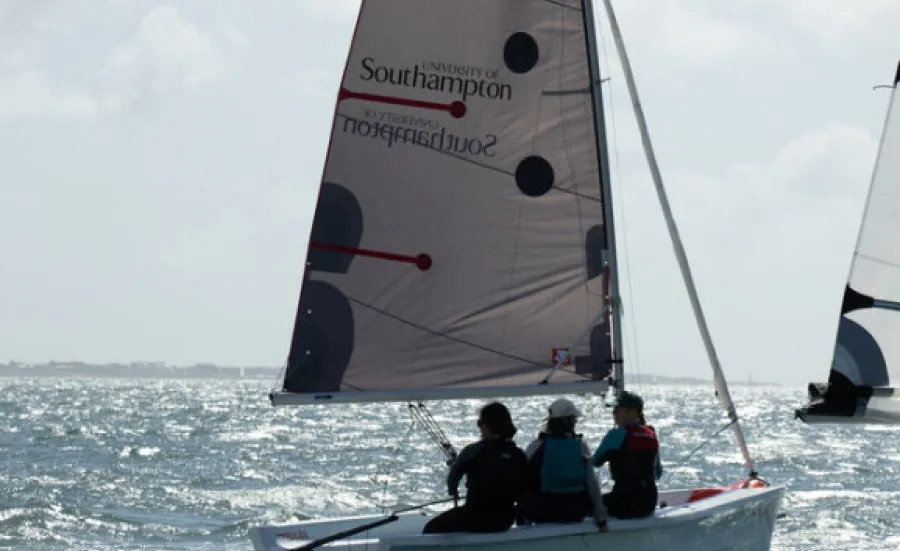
(463, 247)
(865, 370)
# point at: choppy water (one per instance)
(190, 465)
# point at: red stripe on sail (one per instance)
(457, 109)
(421, 261)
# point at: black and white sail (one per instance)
(865, 371)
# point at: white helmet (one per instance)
(563, 407)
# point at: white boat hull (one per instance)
(734, 520)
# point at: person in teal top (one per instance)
(561, 485)
(632, 451)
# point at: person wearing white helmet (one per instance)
(562, 487)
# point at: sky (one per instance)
(160, 163)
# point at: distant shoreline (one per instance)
(651, 379)
(135, 370)
(159, 370)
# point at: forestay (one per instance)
(719, 382)
(866, 367)
(458, 241)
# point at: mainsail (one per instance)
(462, 244)
(865, 370)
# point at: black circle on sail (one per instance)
(534, 176)
(521, 53)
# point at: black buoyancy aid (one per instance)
(633, 468)
(497, 475)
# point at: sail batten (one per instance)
(459, 245)
(866, 362)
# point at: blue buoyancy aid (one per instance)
(563, 465)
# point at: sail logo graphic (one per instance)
(520, 53)
(394, 129)
(463, 81)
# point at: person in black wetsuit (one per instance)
(494, 468)
(562, 486)
(632, 451)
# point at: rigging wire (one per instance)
(388, 472)
(706, 441)
(709, 439)
(420, 414)
(280, 376)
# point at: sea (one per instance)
(91, 464)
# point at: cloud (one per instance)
(769, 243)
(830, 161)
(199, 248)
(330, 9)
(842, 23)
(20, 23)
(29, 94)
(814, 186)
(689, 33)
(315, 84)
(168, 52)
(14, 200)
(293, 200)
(709, 33)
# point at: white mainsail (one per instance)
(461, 244)
(865, 370)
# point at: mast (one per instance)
(614, 301)
(721, 385)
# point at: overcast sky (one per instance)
(160, 161)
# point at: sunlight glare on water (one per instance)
(191, 465)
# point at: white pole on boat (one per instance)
(615, 301)
(718, 376)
